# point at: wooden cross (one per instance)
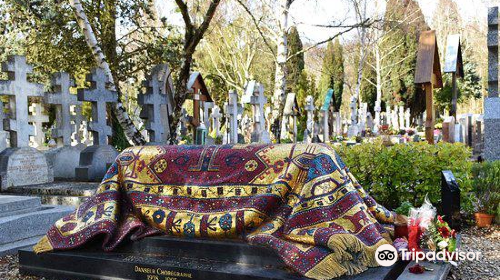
(99, 95)
(18, 87)
(428, 76)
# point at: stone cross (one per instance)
(353, 127)
(77, 136)
(18, 87)
(99, 95)
(38, 118)
(63, 100)
(309, 108)
(388, 120)
(369, 121)
(215, 117)
(254, 95)
(290, 110)
(363, 108)
(155, 106)
(395, 122)
(206, 112)
(232, 110)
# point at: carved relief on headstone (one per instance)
(215, 120)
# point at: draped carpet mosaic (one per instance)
(298, 199)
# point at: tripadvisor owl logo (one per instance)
(386, 255)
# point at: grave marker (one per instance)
(232, 110)
(63, 100)
(453, 64)
(155, 104)
(99, 96)
(254, 95)
(325, 109)
(199, 94)
(428, 76)
(291, 110)
(38, 118)
(19, 89)
(309, 132)
(96, 159)
(492, 102)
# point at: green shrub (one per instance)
(407, 172)
(485, 185)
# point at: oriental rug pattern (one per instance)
(300, 200)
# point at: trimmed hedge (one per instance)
(407, 172)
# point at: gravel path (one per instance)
(487, 241)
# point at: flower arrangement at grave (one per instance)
(426, 232)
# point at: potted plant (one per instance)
(486, 188)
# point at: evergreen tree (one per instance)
(403, 23)
(295, 64)
(332, 73)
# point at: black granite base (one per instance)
(166, 258)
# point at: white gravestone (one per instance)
(232, 110)
(215, 118)
(95, 159)
(254, 95)
(353, 126)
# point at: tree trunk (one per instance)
(133, 135)
(180, 95)
(280, 75)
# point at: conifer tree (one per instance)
(332, 73)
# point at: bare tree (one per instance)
(278, 35)
(193, 34)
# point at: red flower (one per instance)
(453, 233)
(440, 219)
(417, 269)
(444, 231)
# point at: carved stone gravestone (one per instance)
(353, 126)
(290, 113)
(38, 118)
(449, 129)
(492, 102)
(309, 131)
(155, 104)
(215, 118)
(21, 165)
(66, 158)
(95, 159)
(325, 112)
(254, 95)
(232, 110)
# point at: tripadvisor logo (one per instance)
(386, 255)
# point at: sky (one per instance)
(306, 13)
